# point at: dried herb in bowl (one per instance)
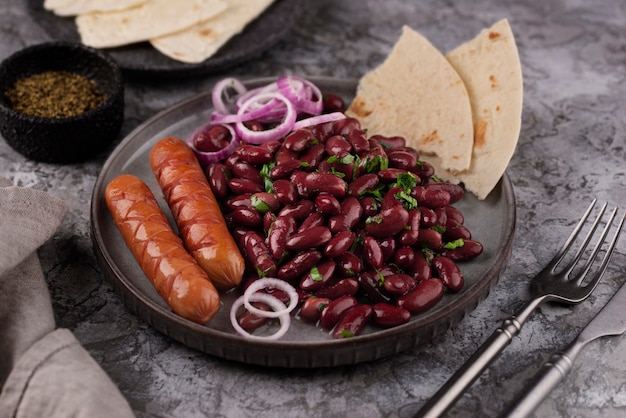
(54, 94)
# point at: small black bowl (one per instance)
(69, 139)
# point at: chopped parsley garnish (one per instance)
(259, 204)
(316, 276)
(267, 181)
(457, 243)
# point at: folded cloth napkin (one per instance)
(44, 372)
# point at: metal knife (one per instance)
(611, 320)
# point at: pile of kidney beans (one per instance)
(362, 228)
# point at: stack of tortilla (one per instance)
(189, 31)
(462, 111)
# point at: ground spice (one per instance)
(54, 94)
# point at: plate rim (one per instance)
(177, 328)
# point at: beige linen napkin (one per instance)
(44, 372)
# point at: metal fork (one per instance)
(549, 285)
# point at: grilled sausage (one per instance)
(159, 251)
(198, 215)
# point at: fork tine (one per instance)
(595, 251)
(570, 240)
(607, 256)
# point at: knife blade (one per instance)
(610, 321)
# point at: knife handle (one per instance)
(547, 378)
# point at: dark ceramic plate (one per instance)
(260, 35)
(492, 222)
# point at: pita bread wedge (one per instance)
(78, 7)
(490, 67)
(417, 94)
(150, 20)
(203, 40)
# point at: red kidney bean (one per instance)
(313, 220)
(429, 217)
(453, 213)
(392, 142)
(241, 186)
(299, 265)
(431, 198)
(454, 232)
(311, 158)
(404, 257)
(349, 264)
(362, 184)
(312, 281)
(337, 145)
(387, 315)
(373, 254)
(343, 287)
(370, 282)
(258, 254)
(218, 175)
(388, 222)
(231, 159)
(469, 250)
(284, 169)
(268, 221)
(247, 217)
(298, 140)
(322, 131)
(430, 238)
(449, 273)
(271, 146)
(312, 308)
(325, 182)
(420, 269)
(423, 169)
(351, 212)
(346, 126)
(314, 237)
(442, 217)
(299, 211)
(455, 191)
(353, 322)
(239, 201)
(339, 244)
(253, 154)
(346, 171)
(298, 179)
(390, 199)
(408, 236)
(285, 192)
(246, 171)
(388, 247)
(265, 202)
(283, 227)
(423, 297)
(250, 321)
(358, 141)
(283, 156)
(390, 175)
(370, 206)
(254, 125)
(401, 159)
(327, 204)
(214, 139)
(335, 310)
(399, 284)
(332, 103)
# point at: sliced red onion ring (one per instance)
(280, 130)
(219, 91)
(305, 95)
(273, 302)
(316, 120)
(211, 157)
(270, 282)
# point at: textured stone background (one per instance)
(571, 148)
